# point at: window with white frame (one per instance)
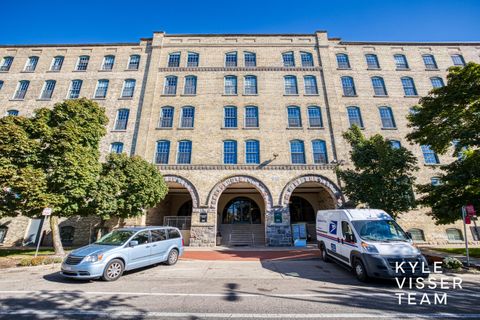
(251, 117)
(116, 147)
(57, 63)
(354, 117)
(307, 59)
(297, 152)
(187, 117)
(122, 119)
(102, 89)
(342, 61)
(48, 88)
(230, 152)
(429, 61)
(310, 85)
(319, 150)
(386, 116)
(400, 61)
(174, 60)
(31, 64)
(6, 64)
(379, 88)
(315, 117)
(252, 152)
(162, 152)
(458, 60)
(348, 87)
(21, 90)
(166, 117)
(190, 87)
(108, 62)
(192, 59)
(133, 62)
(128, 88)
(75, 87)
(409, 86)
(230, 85)
(429, 156)
(454, 234)
(417, 234)
(170, 85)
(372, 61)
(230, 117)
(294, 117)
(184, 154)
(288, 59)
(437, 82)
(250, 84)
(250, 59)
(82, 63)
(231, 59)
(290, 85)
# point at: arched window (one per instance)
(348, 87)
(458, 60)
(372, 61)
(315, 117)
(319, 150)
(252, 152)
(409, 86)
(108, 62)
(166, 117)
(294, 117)
(297, 151)
(66, 235)
(190, 85)
(163, 151)
(184, 155)
(188, 117)
(429, 61)
(12, 112)
(75, 87)
(241, 210)
(454, 234)
(192, 59)
(429, 156)
(343, 61)
(250, 59)
(250, 85)
(400, 61)
(386, 116)
(354, 116)
(6, 63)
(47, 90)
(307, 59)
(170, 87)
(230, 85)
(116, 147)
(174, 60)
(133, 62)
(82, 63)
(437, 82)
(230, 152)
(122, 119)
(21, 90)
(128, 88)
(251, 117)
(310, 85)
(231, 59)
(417, 234)
(230, 117)
(301, 210)
(290, 85)
(288, 59)
(379, 88)
(31, 64)
(102, 89)
(57, 63)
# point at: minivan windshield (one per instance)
(115, 238)
(379, 230)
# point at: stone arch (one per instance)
(218, 189)
(187, 184)
(331, 187)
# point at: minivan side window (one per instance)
(142, 237)
(173, 233)
(158, 235)
(347, 229)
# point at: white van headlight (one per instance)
(93, 257)
(370, 248)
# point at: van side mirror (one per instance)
(133, 243)
(348, 237)
(409, 235)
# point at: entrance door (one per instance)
(241, 210)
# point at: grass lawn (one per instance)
(9, 252)
(474, 252)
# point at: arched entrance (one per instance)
(241, 210)
(177, 207)
(301, 210)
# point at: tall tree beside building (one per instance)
(382, 176)
(126, 187)
(448, 120)
(59, 156)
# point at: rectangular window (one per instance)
(166, 118)
(401, 61)
(297, 151)
(429, 62)
(128, 88)
(307, 59)
(252, 152)
(348, 87)
(108, 62)
(315, 117)
(116, 147)
(102, 88)
(82, 63)
(379, 88)
(170, 85)
(436, 82)
(231, 59)
(231, 85)
(409, 87)
(21, 90)
(163, 150)
(342, 61)
(319, 150)
(190, 85)
(354, 116)
(310, 85)
(134, 62)
(174, 60)
(31, 64)
(395, 144)
(122, 119)
(250, 85)
(372, 61)
(288, 59)
(230, 152)
(57, 63)
(48, 88)
(192, 60)
(184, 152)
(291, 85)
(251, 117)
(6, 64)
(188, 117)
(75, 88)
(458, 60)
(294, 117)
(250, 59)
(230, 117)
(429, 156)
(386, 115)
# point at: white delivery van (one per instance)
(368, 241)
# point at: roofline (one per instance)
(409, 43)
(241, 34)
(114, 44)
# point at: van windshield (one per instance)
(379, 230)
(115, 238)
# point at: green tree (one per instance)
(382, 176)
(448, 120)
(127, 186)
(58, 154)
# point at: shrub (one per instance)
(25, 262)
(452, 263)
(51, 260)
(37, 261)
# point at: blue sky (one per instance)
(68, 21)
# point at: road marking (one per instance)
(119, 313)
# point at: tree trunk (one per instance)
(100, 228)
(57, 242)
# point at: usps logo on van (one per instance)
(332, 227)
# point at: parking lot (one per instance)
(197, 289)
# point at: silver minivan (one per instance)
(124, 249)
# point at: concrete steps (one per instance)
(243, 234)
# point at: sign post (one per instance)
(464, 216)
(46, 212)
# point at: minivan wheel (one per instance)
(172, 257)
(360, 271)
(113, 270)
(324, 254)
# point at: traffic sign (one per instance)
(47, 212)
(470, 209)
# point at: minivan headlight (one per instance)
(93, 257)
(370, 248)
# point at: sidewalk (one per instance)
(432, 255)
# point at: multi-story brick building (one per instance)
(246, 129)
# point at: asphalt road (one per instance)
(303, 289)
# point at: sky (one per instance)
(102, 21)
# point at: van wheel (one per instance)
(360, 270)
(172, 257)
(324, 254)
(113, 270)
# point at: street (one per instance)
(196, 289)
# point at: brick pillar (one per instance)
(203, 234)
(278, 233)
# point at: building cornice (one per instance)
(232, 69)
(395, 43)
(128, 44)
(191, 167)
